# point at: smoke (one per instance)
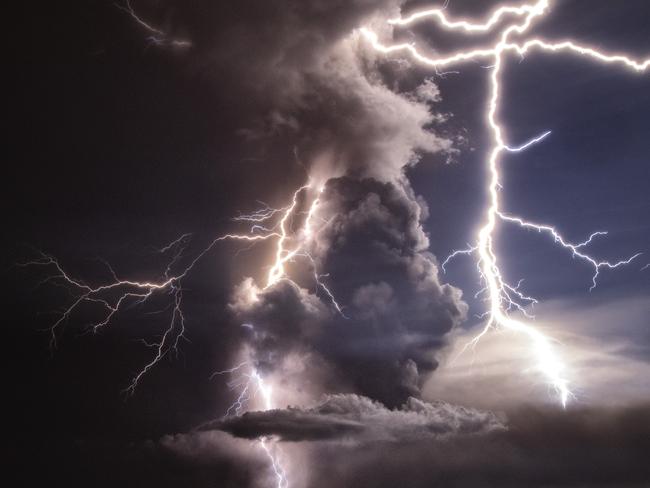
(302, 97)
(359, 419)
(303, 79)
(397, 312)
(308, 89)
(595, 448)
(350, 441)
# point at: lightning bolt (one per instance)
(267, 224)
(157, 36)
(251, 385)
(500, 296)
(289, 245)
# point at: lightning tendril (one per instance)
(501, 296)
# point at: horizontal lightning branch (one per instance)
(468, 27)
(573, 248)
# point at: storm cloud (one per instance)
(306, 85)
(396, 312)
(359, 419)
(595, 447)
(590, 447)
(316, 102)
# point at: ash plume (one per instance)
(311, 90)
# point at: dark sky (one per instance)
(119, 147)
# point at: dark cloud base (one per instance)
(541, 448)
(535, 447)
(361, 420)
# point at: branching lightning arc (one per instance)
(267, 224)
(501, 296)
(251, 385)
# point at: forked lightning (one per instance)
(118, 293)
(501, 296)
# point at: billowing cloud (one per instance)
(304, 93)
(313, 101)
(439, 444)
(304, 82)
(396, 312)
(604, 346)
(359, 419)
(540, 448)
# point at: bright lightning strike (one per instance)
(118, 293)
(250, 385)
(290, 244)
(501, 296)
(439, 14)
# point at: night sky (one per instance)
(119, 146)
